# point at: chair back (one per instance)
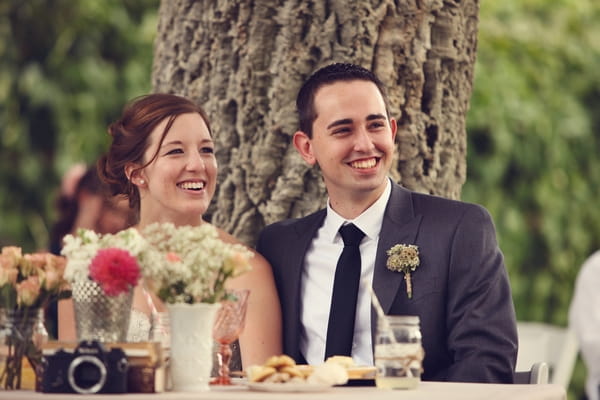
(538, 374)
(557, 346)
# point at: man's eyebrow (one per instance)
(345, 121)
(371, 117)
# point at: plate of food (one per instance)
(282, 374)
(288, 387)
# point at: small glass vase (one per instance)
(22, 334)
(98, 316)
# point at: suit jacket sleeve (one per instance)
(482, 336)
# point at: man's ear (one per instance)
(135, 175)
(394, 128)
(303, 144)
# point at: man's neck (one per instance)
(350, 207)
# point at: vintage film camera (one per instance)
(90, 368)
(147, 364)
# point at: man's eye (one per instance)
(378, 124)
(341, 130)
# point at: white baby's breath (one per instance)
(182, 264)
(191, 264)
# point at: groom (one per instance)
(459, 287)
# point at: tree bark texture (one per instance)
(245, 61)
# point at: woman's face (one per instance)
(180, 182)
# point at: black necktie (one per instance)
(340, 330)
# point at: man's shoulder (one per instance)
(432, 204)
(295, 223)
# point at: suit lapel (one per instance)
(400, 225)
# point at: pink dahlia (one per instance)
(115, 270)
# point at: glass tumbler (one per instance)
(398, 352)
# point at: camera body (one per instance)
(89, 369)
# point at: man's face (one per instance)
(352, 142)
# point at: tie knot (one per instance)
(351, 235)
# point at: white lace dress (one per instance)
(139, 327)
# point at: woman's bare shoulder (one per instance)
(256, 260)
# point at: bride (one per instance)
(162, 159)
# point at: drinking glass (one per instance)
(398, 352)
(229, 323)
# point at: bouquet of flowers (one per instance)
(191, 264)
(28, 282)
(111, 260)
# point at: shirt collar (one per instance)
(369, 221)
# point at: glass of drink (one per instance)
(398, 352)
(229, 323)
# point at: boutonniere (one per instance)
(404, 258)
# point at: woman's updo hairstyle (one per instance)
(130, 135)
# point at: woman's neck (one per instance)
(144, 222)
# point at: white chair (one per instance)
(538, 374)
(557, 346)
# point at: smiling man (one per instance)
(460, 288)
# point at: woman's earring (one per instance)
(142, 182)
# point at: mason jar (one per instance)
(398, 352)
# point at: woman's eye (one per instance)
(206, 149)
(175, 151)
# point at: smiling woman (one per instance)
(162, 159)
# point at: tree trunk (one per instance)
(245, 61)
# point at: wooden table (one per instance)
(425, 391)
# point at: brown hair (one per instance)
(305, 102)
(130, 135)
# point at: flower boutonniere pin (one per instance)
(404, 258)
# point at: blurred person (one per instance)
(584, 319)
(84, 202)
(162, 160)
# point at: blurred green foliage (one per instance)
(533, 146)
(66, 69)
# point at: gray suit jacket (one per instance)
(461, 290)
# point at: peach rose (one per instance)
(28, 291)
(173, 257)
(236, 264)
(31, 264)
(13, 255)
(8, 273)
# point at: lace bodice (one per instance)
(139, 327)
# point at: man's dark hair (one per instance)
(305, 102)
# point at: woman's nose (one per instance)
(195, 162)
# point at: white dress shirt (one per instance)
(584, 318)
(317, 282)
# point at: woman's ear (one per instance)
(303, 144)
(135, 174)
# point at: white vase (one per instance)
(191, 345)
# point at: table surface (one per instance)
(425, 390)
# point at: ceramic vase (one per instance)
(191, 345)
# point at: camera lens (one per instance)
(86, 374)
